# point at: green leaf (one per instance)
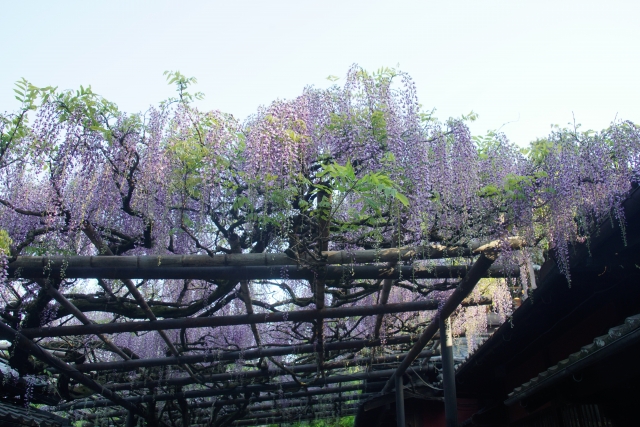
(5, 241)
(489, 191)
(402, 199)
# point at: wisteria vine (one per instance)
(351, 167)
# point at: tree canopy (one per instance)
(354, 167)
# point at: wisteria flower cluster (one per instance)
(350, 167)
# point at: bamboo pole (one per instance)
(291, 414)
(127, 268)
(130, 365)
(84, 319)
(239, 390)
(242, 319)
(277, 420)
(95, 238)
(400, 422)
(270, 373)
(273, 402)
(432, 251)
(448, 373)
(465, 287)
(69, 370)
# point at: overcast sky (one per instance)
(521, 66)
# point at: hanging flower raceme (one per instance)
(347, 168)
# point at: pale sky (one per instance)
(521, 66)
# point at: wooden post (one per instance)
(477, 271)
(131, 419)
(448, 373)
(400, 401)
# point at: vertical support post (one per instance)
(448, 373)
(400, 401)
(324, 225)
(131, 419)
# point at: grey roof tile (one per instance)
(631, 324)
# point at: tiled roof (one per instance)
(19, 415)
(629, 331)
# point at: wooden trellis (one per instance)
(235, 388)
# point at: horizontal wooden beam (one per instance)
(295, 414)
(278, 420)
(38, 352)
(64, 302)
(269, 373)
(123, 267)
(242, 390)
(242, 319)
(276, 403)
(354, 345)
(159, 262)
(354, 391)
(301, 403)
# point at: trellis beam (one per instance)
(124, 267)
(157, 262)
(463, 290)
(95, 238)
(270, 373)
(289, 411)
(273, 402)
(242, 319)
(64, 302)
(306, 402)
(276, 420)
(383, 298)
(91, 404)
(38, 352)
(130, 365)
(316, 404)
(283, 413)
(241, 390)
(289, 396)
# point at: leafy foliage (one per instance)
(357, 166)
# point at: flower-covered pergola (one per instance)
(178, 267)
